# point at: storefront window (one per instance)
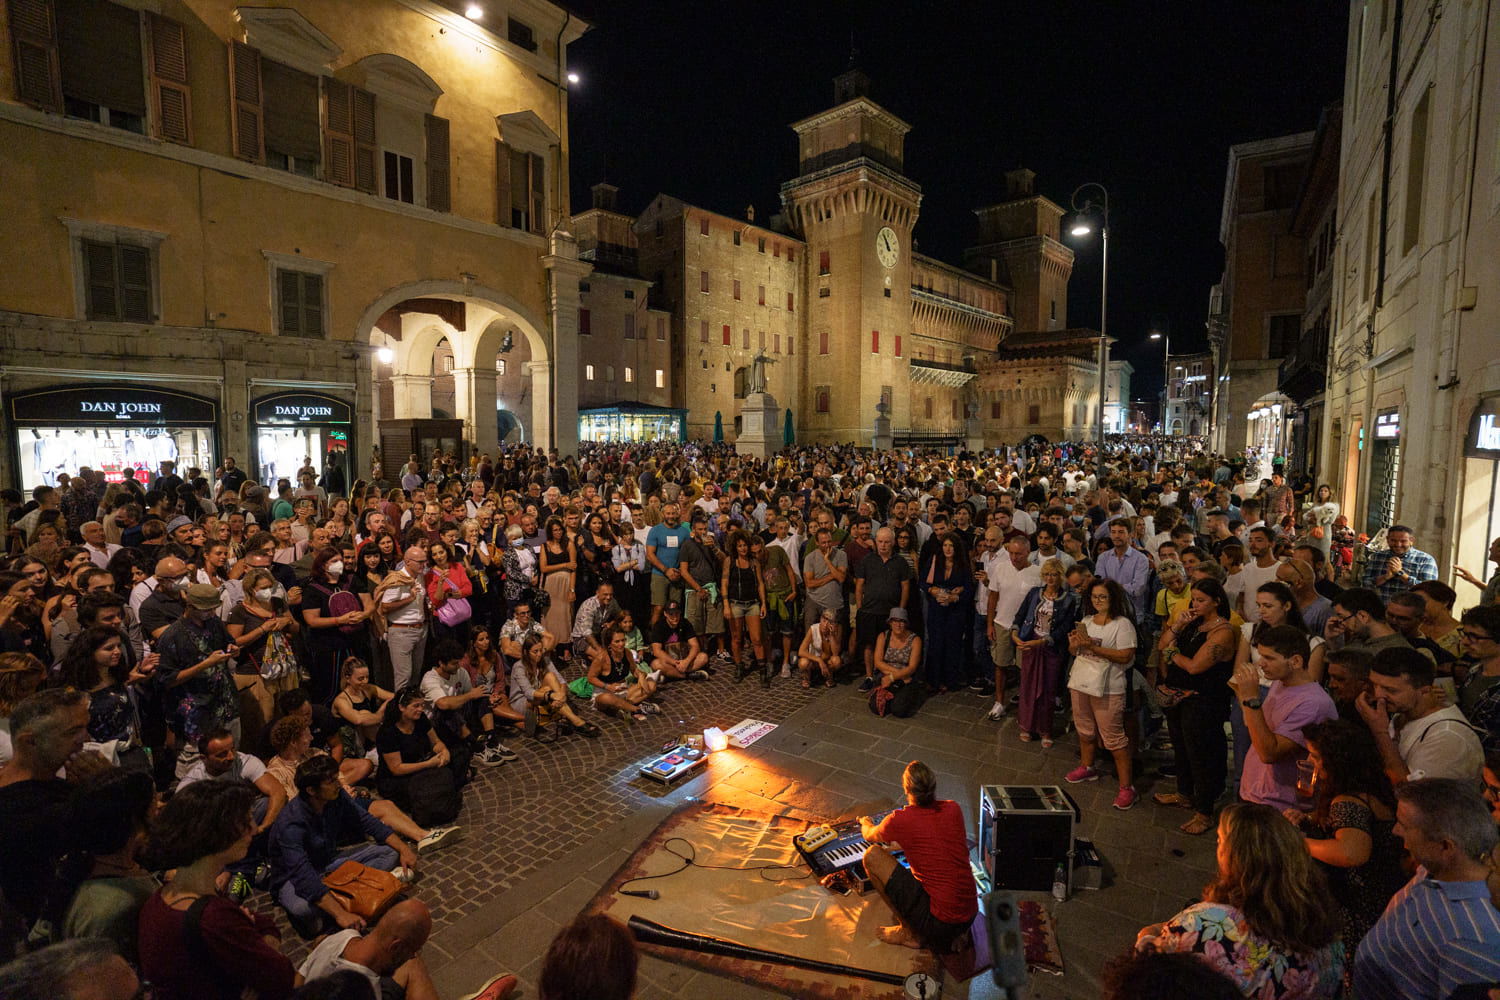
(613, 425)
(297, 430)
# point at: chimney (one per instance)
(1019, 183)
(604, 196)
(749, 213)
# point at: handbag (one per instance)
(364, 891)
(1317, 531)
(455, 611)
(1170, 697)
(341, 602)
(880, 700)
(279, 657)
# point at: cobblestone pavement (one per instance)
(546, 831)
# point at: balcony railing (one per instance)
(1304, 372)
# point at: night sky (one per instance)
(694, 99)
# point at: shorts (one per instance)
(664, 590)
(706, 617)
(778, 624)
(914, 909)
(867, 629)
(1003, 649)
(744, 609)
(1102, 716)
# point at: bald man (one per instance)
(389, 956)
(164, 604)
(403, 600)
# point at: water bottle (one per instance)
(1060, 884)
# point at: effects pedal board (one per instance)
(674, 763)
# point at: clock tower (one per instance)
(855, 209)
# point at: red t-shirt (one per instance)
(937, 847)
(237, 955)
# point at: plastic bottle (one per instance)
(1060, 884)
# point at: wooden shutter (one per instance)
(365, 152)
(439, 168)
(538, 204)
(171, 97)
(338, 132)
(312, 305)
(33, 34)
(290, 291)
(502, 182)
(247, 103)
(134, 283)
(102, 298)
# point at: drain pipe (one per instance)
(1386, 156)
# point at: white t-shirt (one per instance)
(435, 685)
(1440, 745)
(328, 958)
(246, 767)
(1094, 674)
(1011, 585)
(1253, 576)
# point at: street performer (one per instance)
(934, 902)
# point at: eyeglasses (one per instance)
(1472, 636)
(1338, 619)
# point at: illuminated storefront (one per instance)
(632, 422)
(1479, 520)
(111, 428)
(293, 428)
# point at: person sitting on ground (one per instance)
(86, 969)
(536, 686)
(820, 650)
(593, 958)
(1418, 736)
(292, 738)
(417, 770)
(388, 957)
(521, 626)
(588, 623)
(319, 830)
(898, 656)
(48, 730)
(360, 706)
(103, 885)
(934, 901)
(1266, 920)
(1349, 831)
(616, 682)
(193, 942)
(458, 708)
(1441, 931)
(675, 651)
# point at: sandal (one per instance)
(637, 716)
(590, 730)
(1174, 799)
(806, 682)
(1046, 743)
(1199, 824)
(1025, 736)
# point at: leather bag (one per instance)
(364, 891)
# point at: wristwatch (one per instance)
(1250, 702)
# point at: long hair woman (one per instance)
(1266, 919)
(949, 586)
(1197, 649)
(1350, 830)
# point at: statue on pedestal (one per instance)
(757, 380)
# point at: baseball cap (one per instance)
(202, 596)
(673, 607)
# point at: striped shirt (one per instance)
(1433, 937)
(1416, 564)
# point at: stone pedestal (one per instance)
(973, 430)
(883, 440)
(760, 422)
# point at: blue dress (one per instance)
(946, 624)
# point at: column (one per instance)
(565, 271)
(539, 429)
(413, 398)
(365, 438)
(474, 403)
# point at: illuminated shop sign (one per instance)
(1484, 430)
(302, 408)
(110, 404)
(1388, 426)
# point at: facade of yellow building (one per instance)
(247, 231)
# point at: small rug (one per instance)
(1042, 953)
(773, 909)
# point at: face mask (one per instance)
(518, 542)
(1077, 518)
(335, 568)
(264, 594)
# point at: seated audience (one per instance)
(458, 708)
(536, 688)
(615, 681)
(418, 771)
(593, 958)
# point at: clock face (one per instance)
(887, 246)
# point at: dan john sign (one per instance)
(302, 408)
(110, 404)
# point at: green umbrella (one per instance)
(718, 427)
(788, 431)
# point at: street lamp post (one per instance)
(1166, 385)
(1082, 227)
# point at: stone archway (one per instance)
(406, 324)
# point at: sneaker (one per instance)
(723, 656)
(979, 686)
(649, 707)
(505, 752)
(707, 670)
(490, 757)
(437, 838)
(786, 671)
(700, 674)
(405, 875)
(867, 685)
(996, 712)
(1081, 773)
(496, 989)
(1125, 799)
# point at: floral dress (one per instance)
(1261, 970)
(1363, 891)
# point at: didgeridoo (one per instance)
(651, 932)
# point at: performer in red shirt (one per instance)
(934, 902)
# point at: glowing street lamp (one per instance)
(1083, 226)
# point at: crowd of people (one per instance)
(309, 675)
